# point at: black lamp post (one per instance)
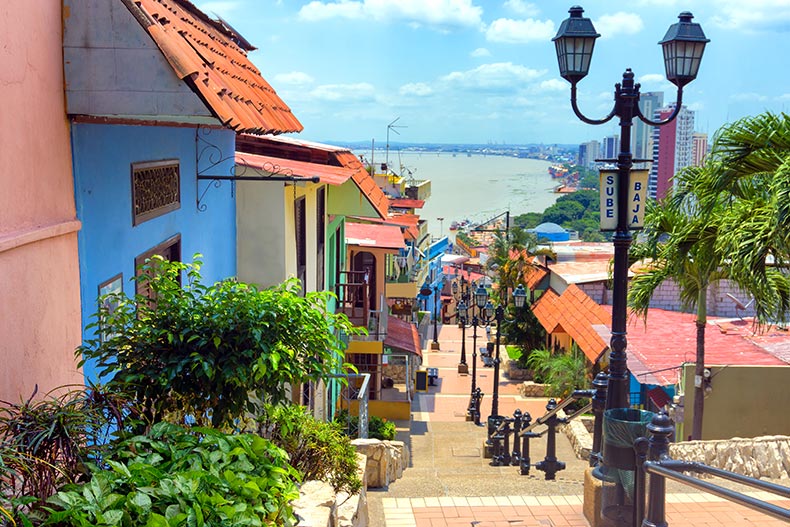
(683, 46)
(461, 295)
(436, 300)
(519, 299)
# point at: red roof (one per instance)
(205, 54)
(534, 277)
(402, 336)
(405, 203)
(576, 314)
(470, 276)
(374, 235)
(330, 175)
(364, 181)
(657, 348)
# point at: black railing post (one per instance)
(600, 384)
(641, 446)
(660, 428)
(517, 419)
(550, 465)
(525, 460)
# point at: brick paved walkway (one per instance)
(448, 484)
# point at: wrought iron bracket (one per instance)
(209, 156)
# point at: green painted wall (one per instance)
(348, 200)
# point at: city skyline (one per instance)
(465, 71)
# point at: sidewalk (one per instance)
(449, 484)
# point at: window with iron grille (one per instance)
(156, 189)
(320, 238)
(301, 241)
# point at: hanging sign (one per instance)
(637, 194)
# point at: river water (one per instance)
(476, 187)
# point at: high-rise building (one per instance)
(610, 147)
(699, 148)
(672, 149)
(588, 153)
(642, 133)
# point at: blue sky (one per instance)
(473, 71)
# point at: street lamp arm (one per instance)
(669, 119)
(581, 116)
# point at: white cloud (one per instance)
(522, 8)
(554, 85)
(429, 12)
(361, 91)
(519, 31)
(480, 52)
(297, 78)
(419, 89)
(496, 76)
(620, 23)
(753, 16)
(649, 78)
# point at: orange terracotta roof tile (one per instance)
(535, 276)
(366, 184)
(204, 53)
(546, 311)
(404, 203)
(331, 175)
(576, 314)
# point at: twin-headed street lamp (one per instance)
(683, 46)
(490, 314)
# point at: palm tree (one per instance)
(680, 246)
(753, 179)
(728, 219)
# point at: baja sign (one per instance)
(637, 194)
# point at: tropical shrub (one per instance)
(378, 427)
(318, 450)
(176, 476)
(208, 355)
(563, 371)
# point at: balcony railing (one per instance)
(353, 297)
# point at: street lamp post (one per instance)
(436, 300)
(683, 46)
(481, 297)
(461, 295)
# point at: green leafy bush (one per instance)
(208, 354)
(179, 477)
(563, 371)
(316, 449)
(378, 427)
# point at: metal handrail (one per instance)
(575, 396)
(661, 467)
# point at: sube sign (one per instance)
(637, 194)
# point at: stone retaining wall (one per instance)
(759, 457)
(386, 460)
(319, 506)
(532, 389)
(514, 373)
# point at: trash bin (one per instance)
(621, 427)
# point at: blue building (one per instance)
(154, 115)
(551, 232)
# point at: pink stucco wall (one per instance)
(39, 270)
